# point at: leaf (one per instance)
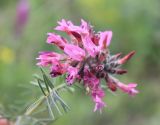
(42, 89)
(65, 107)
(46, 79)
(50, 109)
(48, 106)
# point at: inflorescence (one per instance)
(86, 60)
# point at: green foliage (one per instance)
(135, 26)
(48, 107)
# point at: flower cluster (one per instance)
(86, 59)
(22, 16)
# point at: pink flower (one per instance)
(97, 96)
(86, 58)
(85, 28)
(74, 52)
(58, 69)
(56, 39)
(91, 48)
(99, 104)
(90, 79)
(49, 58)
(97, 93)
(105, 39)
(46, 58)
(22, 15)
(66, 26)
(130, 88)
(72, 74)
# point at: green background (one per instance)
(135, 25)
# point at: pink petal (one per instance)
(67, 26)
(105, 39)
(46, 58)
(132, 85)
(85, 28)
(91, 48)
(74, 52)
(56, 39)
(63, 25)
(58, 69)
(99, 105)
(130, 88)
(72, 74)
(97, 96)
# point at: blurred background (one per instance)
(135, 25)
